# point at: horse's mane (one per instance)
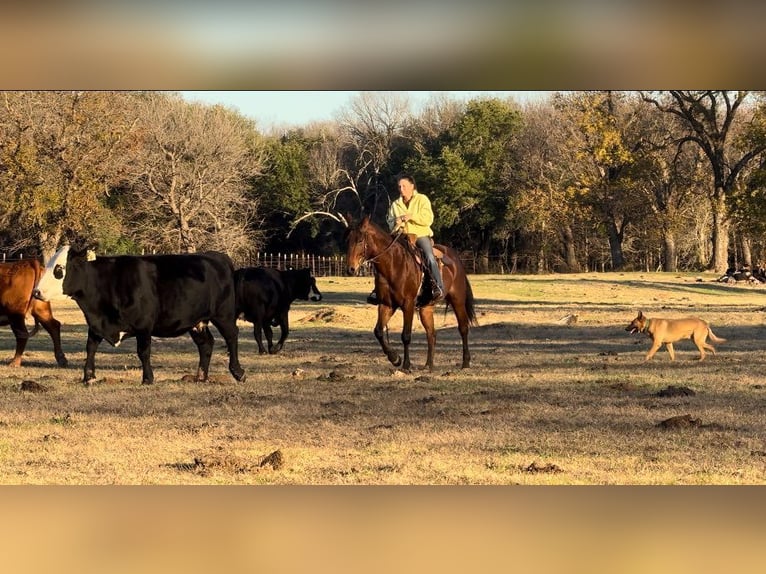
(402, 238)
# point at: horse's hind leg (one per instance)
(464, 326)
(21, 333)
(43, 314)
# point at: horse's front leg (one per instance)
(381, 334)
(408, 312)
(427, 319)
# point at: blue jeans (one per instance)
(425, 244)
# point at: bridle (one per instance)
(365, 259)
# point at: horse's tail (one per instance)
(469, 303)
(470, 308)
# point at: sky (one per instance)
(296, 108)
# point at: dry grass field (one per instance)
(545, 402)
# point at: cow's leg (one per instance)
(144, 350)
(258, 334)
(269, 332)
(42, 312)
(90, 357)
(204, 340)
(230, 332)
(284, 328)
(19, 328)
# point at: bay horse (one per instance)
(397, 282)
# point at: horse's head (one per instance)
(357, 246)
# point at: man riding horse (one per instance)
(411, 214)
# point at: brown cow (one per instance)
(17, 280)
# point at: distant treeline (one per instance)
(575, 181)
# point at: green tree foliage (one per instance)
(601, 124)
(61, 152)
(711, 120)
(748, 207)
(462, 172)
(548, 213)
(587, 180)
(284, 189)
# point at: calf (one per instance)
(17, 281)
(146, 296)
(264, 297)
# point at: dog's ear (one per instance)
(640, 315)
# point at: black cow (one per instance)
(264, 297)
(145, 296)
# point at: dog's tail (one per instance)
(713, 336)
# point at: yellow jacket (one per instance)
(420, 212)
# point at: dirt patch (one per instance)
(549, 468)
(675, 391)
(680, 422)
(274, 460)
(324, 315)
(33, 387)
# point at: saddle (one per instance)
(441, 257)
(428, 283)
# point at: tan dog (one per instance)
(668, 331)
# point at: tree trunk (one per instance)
(720, 261)
(670, 254)
(49, 242)
(745, 244)
(483, 254)
(615, 246)
(570, 254)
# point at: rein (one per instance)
(390, 245)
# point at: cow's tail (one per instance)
(317, 296)
(39, 269)
(35, 329)
(238, 291)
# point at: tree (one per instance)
(546, 206)
(375, 125)
(463, 173)
(190, 183)
(668, 179)
(283, 190)
(601, 125)
(352, 165)
(710, 119)
(60, 153)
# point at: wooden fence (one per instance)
(5, 257)
(320, 265)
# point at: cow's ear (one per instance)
(78, 244)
